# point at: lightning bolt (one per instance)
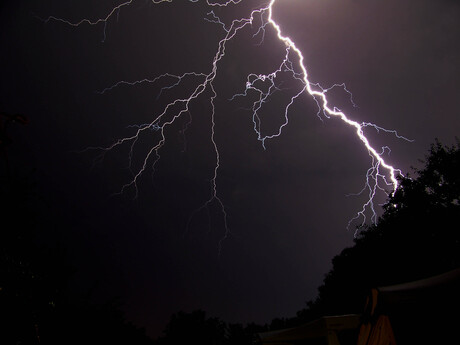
(380, 174)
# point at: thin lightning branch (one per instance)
(379, 175)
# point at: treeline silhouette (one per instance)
(36, 305)
(417, 236)
(196, 328)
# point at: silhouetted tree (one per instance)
(417, 236)
(32, 277)
(81, 322)
(247, 335)
(194, 328)
(35, 304)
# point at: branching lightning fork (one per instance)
(379, 175)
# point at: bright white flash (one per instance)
(380, 173)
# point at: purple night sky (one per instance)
(287, 205)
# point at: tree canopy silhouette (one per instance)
(196, 328)
(36, 305)
(417, 236)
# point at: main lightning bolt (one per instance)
(379, 175)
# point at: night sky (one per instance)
(287, 205)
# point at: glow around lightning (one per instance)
(380, 174)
